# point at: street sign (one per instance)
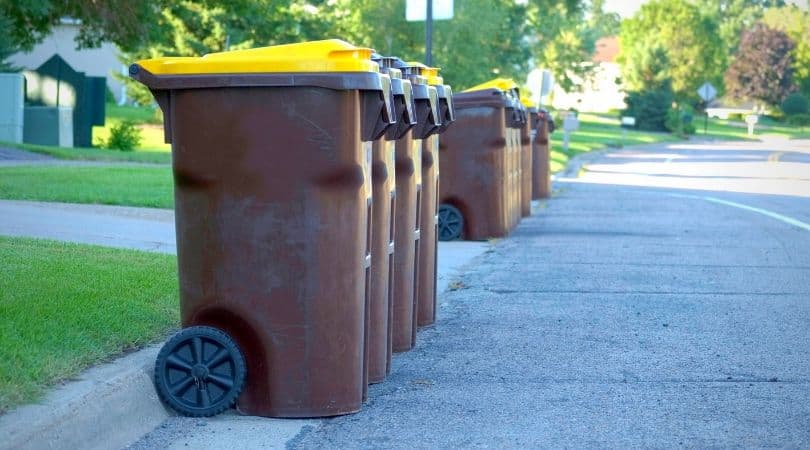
(707, 92)
(540, 83)
(628, 121)
(416, 10)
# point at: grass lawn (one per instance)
(728, 129)
(602, 130)
(132, 186)
(95, 154)
(151, 150)
(598, 131)
(65, 307)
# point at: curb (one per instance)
(108, 406)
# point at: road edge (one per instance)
(107, 406)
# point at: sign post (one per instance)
(751, 120)
(708, 93)
(570, 124)
(627, 122)
(428, 10)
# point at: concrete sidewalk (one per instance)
(624, 314)
(112, 405)
(641, 307)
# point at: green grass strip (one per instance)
(95, 154)
(66, 307)
(131, 186)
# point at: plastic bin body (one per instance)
(526, 163)
(474, 162)
(383, 245)
(541, 170)
(409, 210)
(408, 164)
(428, 225)
(428, 254)
(273, 196)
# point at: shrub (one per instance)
(799, 120)
(795, 103)
(124, 136)
(650, 108)
(679, 121)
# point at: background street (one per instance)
(630, 310)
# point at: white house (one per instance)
(601, 93)
(98, 62)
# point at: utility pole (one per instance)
(429, 34)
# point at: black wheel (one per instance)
(451, 222)
(200, 372)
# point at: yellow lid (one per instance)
(432, 74)
(503, 84)
(527, 102)
(331, 55)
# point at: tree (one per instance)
(603, 24)
(563, 41)
(6, 47)
(125, 22)
(763, 68)
(796, 24)
(694, 51)
(795, 103)
(650, 107)
(734, 16)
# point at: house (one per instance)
(601, 93)
(99, 62)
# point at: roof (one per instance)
(607, 48)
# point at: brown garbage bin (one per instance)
(541, 155)
(271, 154)
(383, 223)
(476, 156)
(429, 225)
(516, 129)
(408, 208)
(526, 162)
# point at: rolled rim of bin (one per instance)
(330, 64)
(515, 118)
(423, 93)
(402, 97)
(445, 93)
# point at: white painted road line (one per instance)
(764, 212)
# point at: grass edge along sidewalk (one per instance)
(150, 187)
(66, 307)
(94, 154)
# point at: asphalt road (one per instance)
(660, 299)
(642, 307)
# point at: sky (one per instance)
(627, 8)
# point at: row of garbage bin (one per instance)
(308, 214)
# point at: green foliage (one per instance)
(799, 120)
(7, 48)
(650, 107)
(796, 24)
(124, 136)
(735, 16)
(763, 69)
(128, 23)
(603, 23)
(795, 103)
(671, 39)
(679, 121)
